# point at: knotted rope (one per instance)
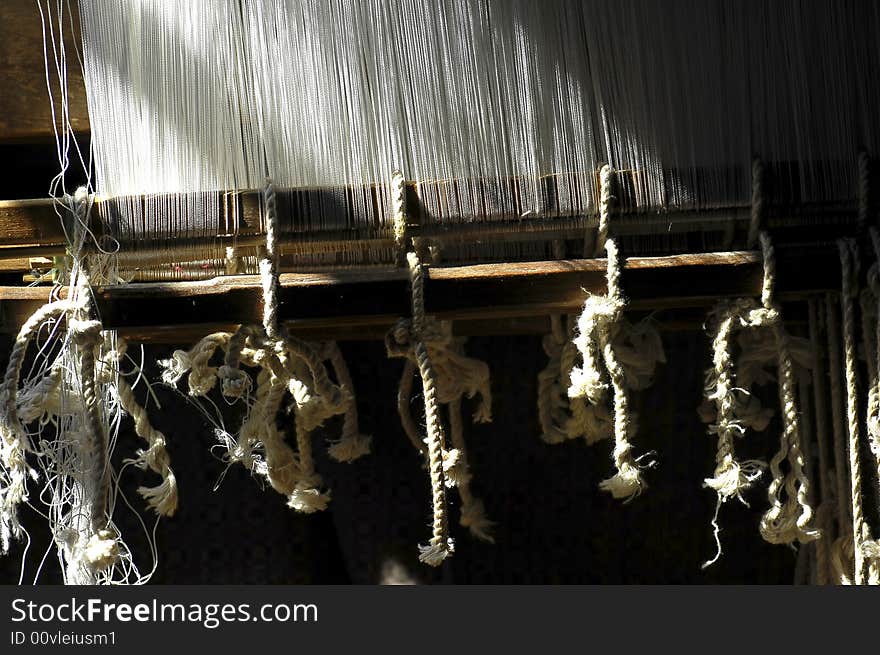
(783, 522)
(409, 338)
(598, 325)
(14, 441)
(731, 478)
(561, 417)
(287, 364)
(447, 374)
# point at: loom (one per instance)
(264, 178)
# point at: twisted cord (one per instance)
(627, 481)
(282, 466)
(86, 336)
(306, 496)
(783, 524)
(269, 263)
(333, 396)
(605, 200)
(12, 455)
(756, 217)
(612, 277)
(849, 270)
(768, 284)
(592, 422)
(234, 380)
(440, 545)
(588, 380)
(597, 326)
(730, 477)
(202, 376)
(398, 216)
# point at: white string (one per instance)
(186, 97)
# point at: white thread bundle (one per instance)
(190, 97)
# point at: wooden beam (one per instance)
(372, 299)
(33, 228)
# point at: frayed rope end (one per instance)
(434, 553)
(308, 500)
(626, 484)
(350, 448)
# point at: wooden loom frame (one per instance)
(361, 303)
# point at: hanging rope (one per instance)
(410, 336)
(785, 521)
(15, 468)
(287, 364)
(791, 521)
(447, 375)
(860, 532)
(756, 215)
(731, 478)
(599, 323)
